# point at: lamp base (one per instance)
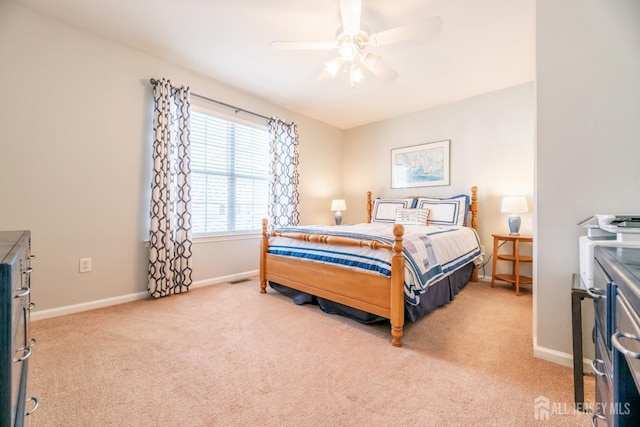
(338, 217)
(514, 225)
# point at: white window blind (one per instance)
(229, 175)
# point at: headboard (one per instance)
(473, 207)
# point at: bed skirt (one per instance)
(438, 294)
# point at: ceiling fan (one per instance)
(353, 41)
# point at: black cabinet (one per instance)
(15, 342)
(617, 336)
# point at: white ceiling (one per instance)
(484, 45)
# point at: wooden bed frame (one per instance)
(382, 296)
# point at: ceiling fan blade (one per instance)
(350, 11)
(425, 29)
(284, 45)
(378, 68)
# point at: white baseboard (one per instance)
(224, 279)
(564, 359)
(85, 306)
(560, 358)
(106, 302)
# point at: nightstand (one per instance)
(515, 258)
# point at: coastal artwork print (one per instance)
(424, 165)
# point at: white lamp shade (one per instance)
(513, 204)
(338, 205)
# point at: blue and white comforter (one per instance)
(431, 252)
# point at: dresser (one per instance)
(616, 292)
(16, 344)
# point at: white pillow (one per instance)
(412, 216)
(384, 210)
(451, 211)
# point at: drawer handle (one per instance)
(596, 293)
(25, 355)
(22, 292)
(615, 340)
(36, 403)
(27, 270)
(595, 370)
(595, 417)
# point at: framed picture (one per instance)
(424, 165)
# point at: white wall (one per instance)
(491, 137)
(75, 158)
(588, 145)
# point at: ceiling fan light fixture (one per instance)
(348, 51)
(355, 75)
(370, 60)
(334, 66)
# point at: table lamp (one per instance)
(338, 205)
(514, 205)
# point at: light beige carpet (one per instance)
(226, 355)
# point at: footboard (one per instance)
(383, 296)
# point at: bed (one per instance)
(391, 267)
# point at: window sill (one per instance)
(225, 237)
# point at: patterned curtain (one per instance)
(170, 263)
(283, 171)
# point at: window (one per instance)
(229, 174)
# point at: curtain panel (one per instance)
(170, 242)
(283, 171)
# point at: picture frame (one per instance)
(424, 165)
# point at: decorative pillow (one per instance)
(412, 216)
(384, 210)
(451, 211)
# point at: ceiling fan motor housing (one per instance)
(350, 46)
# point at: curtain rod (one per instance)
(224, 104)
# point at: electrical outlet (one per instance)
(482, 249)
(85, 265)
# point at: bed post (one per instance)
(397, 288)
(369, 206)
(474, 223)
(264, 245)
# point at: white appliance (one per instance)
(605, 230)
